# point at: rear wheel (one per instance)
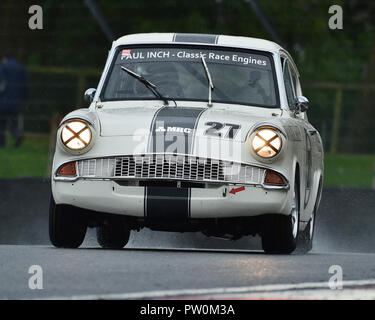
(279, 234)
(67, 225)
(113, 233)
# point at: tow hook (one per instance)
(225, 192)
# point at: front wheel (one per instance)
(67, 225)
(279, 232)
(305, 238)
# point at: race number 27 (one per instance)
(220, 130)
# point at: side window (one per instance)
(295, 83)
(288, 84)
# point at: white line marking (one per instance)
(216, 291)
(312, 294)
(313, 252)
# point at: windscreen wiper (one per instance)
(210, 84)
(149, 85)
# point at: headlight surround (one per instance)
(266, 142)
(76, 135)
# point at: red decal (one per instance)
(235, 190)
(125, 53)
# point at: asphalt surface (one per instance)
(92, 271)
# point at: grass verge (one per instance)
(28, 160)
(349, 170)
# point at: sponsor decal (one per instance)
(174, 129)
(194, 55)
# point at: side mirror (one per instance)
(89, 95)
(302, 104)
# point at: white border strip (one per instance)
(216, 291)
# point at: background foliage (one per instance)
(72, 41)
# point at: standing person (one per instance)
(13, 92)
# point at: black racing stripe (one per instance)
(145, 202)
(195, 38)
(150, 139)
(173, 130)
(189, 203)
(163, 202)
(195, 128)
(167, 203)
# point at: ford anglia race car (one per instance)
(190, 133)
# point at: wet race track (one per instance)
(164, 265)
(90, 273)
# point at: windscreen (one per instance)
(239, 77)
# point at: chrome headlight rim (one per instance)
(278, 135)
(86, 126)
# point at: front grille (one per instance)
(170, 167)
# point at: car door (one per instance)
(313, 145)
(293, 90)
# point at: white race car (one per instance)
(190, 132)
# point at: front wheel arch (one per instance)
(297, 179)
(280, 232)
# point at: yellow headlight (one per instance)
(76, 134)
(267, 142)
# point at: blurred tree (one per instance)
(361, 20)
(71, 37)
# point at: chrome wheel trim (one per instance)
(311, 231)
(294, 214)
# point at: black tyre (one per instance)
(67, 225)
(113, 233)
(305, 238)
(279, 232)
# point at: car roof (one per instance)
(196, 38)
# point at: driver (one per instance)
(162, 74)
(253, 91)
